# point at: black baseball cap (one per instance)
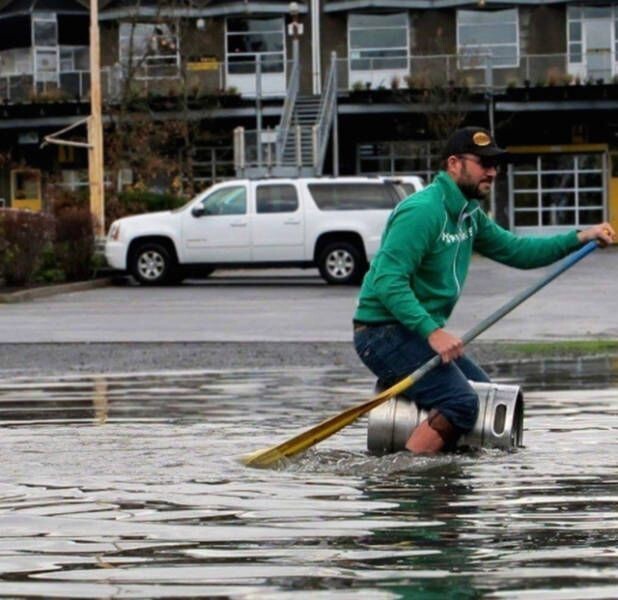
(473, 140)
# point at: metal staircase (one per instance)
(305, 116)
(298, 147)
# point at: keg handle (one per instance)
(304, 440)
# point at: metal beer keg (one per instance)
(499, 424)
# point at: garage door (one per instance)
(555, 192)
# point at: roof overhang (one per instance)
(219, 10)
(351, 5)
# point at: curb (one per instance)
(53, 290)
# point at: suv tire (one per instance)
(152, 264)
(342, 263)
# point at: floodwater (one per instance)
(130, 486)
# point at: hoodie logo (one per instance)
(461, 236)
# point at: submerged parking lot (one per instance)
(130, 486)
(124, 412)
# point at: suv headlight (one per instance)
(114, 231)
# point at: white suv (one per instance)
(332, 223)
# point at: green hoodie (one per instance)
(419, 271)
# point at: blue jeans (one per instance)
(392, 352)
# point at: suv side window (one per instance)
(276, 199)
(226, 201)
(353, 196)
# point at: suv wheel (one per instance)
(341, 263)
(152, 264)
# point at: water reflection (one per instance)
(129, 486)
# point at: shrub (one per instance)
(23, 238)
(74, 233)
(49, 271)
(74, 242)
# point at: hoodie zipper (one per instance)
(462, 217)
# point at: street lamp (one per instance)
(295, 29)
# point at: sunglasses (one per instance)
(487, 162)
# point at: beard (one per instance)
(473, 192)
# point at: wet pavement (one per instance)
(297, 306)
(129, 485)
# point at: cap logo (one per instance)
(480, 138)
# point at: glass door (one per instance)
(250, 40)
(598, 37)
(45, 44)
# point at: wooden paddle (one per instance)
(304, 440)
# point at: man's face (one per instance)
(474, 175)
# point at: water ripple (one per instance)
(130, 486)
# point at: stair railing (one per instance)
(328, 107)
(285, 124)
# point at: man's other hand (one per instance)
(448, 346)
(603, 233)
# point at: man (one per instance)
(417, 276)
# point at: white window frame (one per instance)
(356, 53)
(72, 51)
(575, 15)
(273, 83)
(467, 53)
(22, 66)
(282, 52)
(41, 17)
(148, 60)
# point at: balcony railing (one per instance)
(476, 73)
(70, 85)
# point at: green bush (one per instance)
(74, 242)
(24, 236)
(49, 271)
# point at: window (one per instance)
(276, 199)
(74, 58)
(248, 39)
(488, 33)
(558, 190)
(26, 184)
(399, 158)
(16, 62)
(378, 41)
(353, 196)
(153, 46)
(45, 44)
(73, 179)
(592, 41)
(226, 201)
(574, 34)
(44, 31)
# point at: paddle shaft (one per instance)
(325, 429)
(505, 309)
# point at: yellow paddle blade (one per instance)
(317, 433)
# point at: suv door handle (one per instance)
(238, 224)
(291, 222)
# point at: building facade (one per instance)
(543, 76)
